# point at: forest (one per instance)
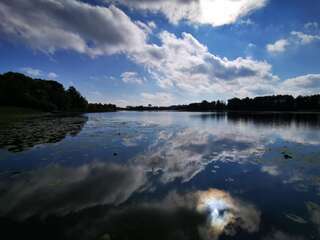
(18, 90)
(266, 103)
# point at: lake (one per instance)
(161, 175)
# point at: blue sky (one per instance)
(165, 52)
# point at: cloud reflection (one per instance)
(279, 235)
(179, 216)
(314, 212)
(226, 214)
(184, 154)
(61, 190)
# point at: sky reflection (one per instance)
(213, 176)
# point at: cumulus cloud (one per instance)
(180, 62)
(145, 98)
(213, 12)
(305, 38)
(32, 72)
(37, 73)
(278, 46)
(157, 99)
(301, 85)
(247, 22)
(147, 27)
(72, 25)
(52, 75)
(311, 25)
(187, 64)
(296, 38)
(152, 25)
(131, 77)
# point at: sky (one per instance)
(164, 52)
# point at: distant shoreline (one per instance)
(24, 111)
(17, 112)
(225, 111)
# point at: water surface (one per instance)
(166, 175)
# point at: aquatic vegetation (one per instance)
(24, 134)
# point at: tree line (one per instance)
(204, 106)
(265, 103)
(276, 103)
(19, 90)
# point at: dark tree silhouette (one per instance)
(266, 103)
(99, 107)
(19, 90)
(75, 101)
(276, 103)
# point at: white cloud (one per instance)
(37, 73)
(296, 38)
(305, 38)
(213, 12)
(311, 25)
(147, 27)
(157, 99)
(32, 72)
(121, 102)
(145, 98)
(278, 46)
(72, 25)
(152, 25)
(131, 77)
(188, 65)
(247, 22)
(177, 62)
(301, 85)
(52, 75)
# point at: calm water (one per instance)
(131, 175)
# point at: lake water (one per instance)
(166, 175)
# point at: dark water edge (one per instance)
(161, 175)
